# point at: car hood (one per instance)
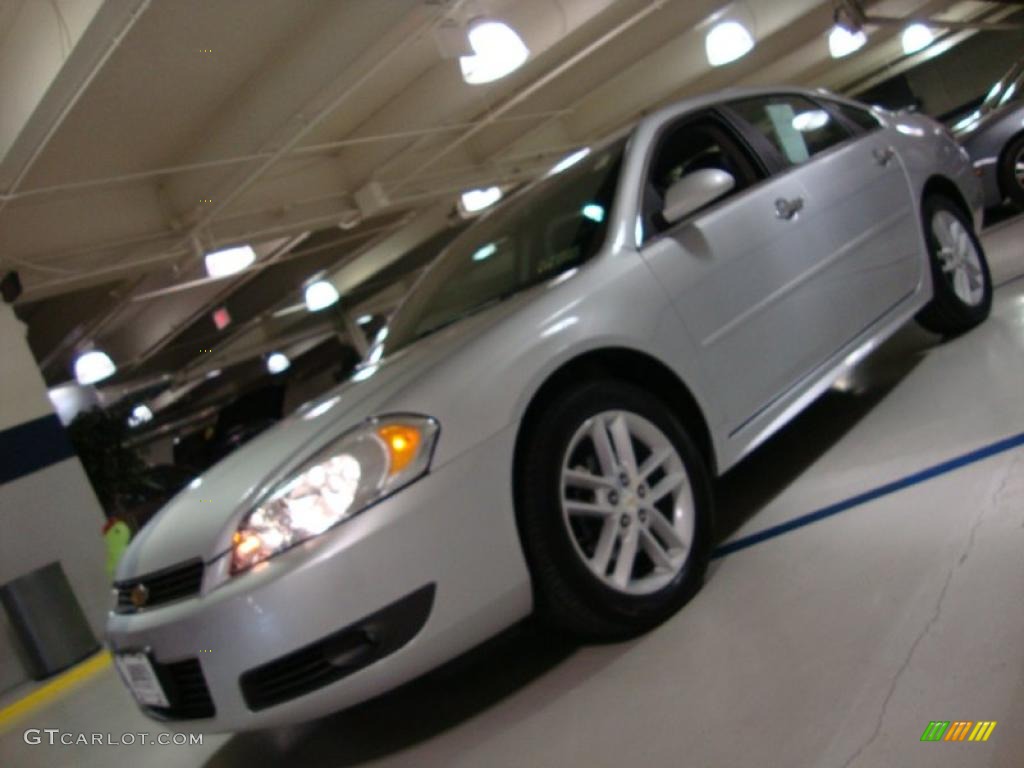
(193, 523)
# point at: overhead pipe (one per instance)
(326, 147)
(523, 94)
(981, 26)
(184, 241)
(851, 15)
(65, 110)
(41, 261)
(78, 277)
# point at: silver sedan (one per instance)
(539, 426)
(993, 136)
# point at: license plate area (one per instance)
(138, 674)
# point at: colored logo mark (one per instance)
(958, 730)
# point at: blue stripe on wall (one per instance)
(1000, 446)
(32, 446)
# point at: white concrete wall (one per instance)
(46, 515)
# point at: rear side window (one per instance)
(862, 118)
(797, 127)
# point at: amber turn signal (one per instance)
(402, 442)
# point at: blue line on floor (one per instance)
(980, 454)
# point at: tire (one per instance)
(1011, 172)
(960, 273)
(561, 543)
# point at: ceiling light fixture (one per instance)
(476, 200)
(140, 415)
(842, 42)
(229, 260)
(93, 366)
(497, 52)
(278, 362)
(916, 38)
(321, 295)
(726, 42)
(364, 319)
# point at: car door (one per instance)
(859, 218)
(739, 272)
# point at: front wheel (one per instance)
(614, 510)
(959, 270)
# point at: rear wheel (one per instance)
(960, 274)
(1011, 172)
(614, 511)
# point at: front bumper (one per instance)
(452, 532)
(987, 171)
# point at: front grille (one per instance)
(339, 654)
(174, 583)
(185, 688)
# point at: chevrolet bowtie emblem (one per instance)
(140, 594)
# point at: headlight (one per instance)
(362, 467)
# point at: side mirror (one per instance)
(694, 191)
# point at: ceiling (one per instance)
(335, 137)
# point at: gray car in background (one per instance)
(993, 135)
(538, 427)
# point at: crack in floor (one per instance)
(936, 614)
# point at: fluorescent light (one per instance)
(278, 362)
(594, 212)
(140, 415)
(320, 295)
(230, 260)
(810, 120)
(484, 252)
(569, 161)
(364, 319)
(213, 374)
(497, 51)
(726, 42)
(916, 38)
(476, 200)
(843, 42)
(93, 366)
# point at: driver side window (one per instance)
(694, 144)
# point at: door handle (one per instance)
(787, 209)
(883, 155)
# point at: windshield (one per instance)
(1005, 91)
(550, 228)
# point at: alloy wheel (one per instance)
(959, 258)
(627, 502)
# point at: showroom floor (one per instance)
(834, 644)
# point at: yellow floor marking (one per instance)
(56, 688)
